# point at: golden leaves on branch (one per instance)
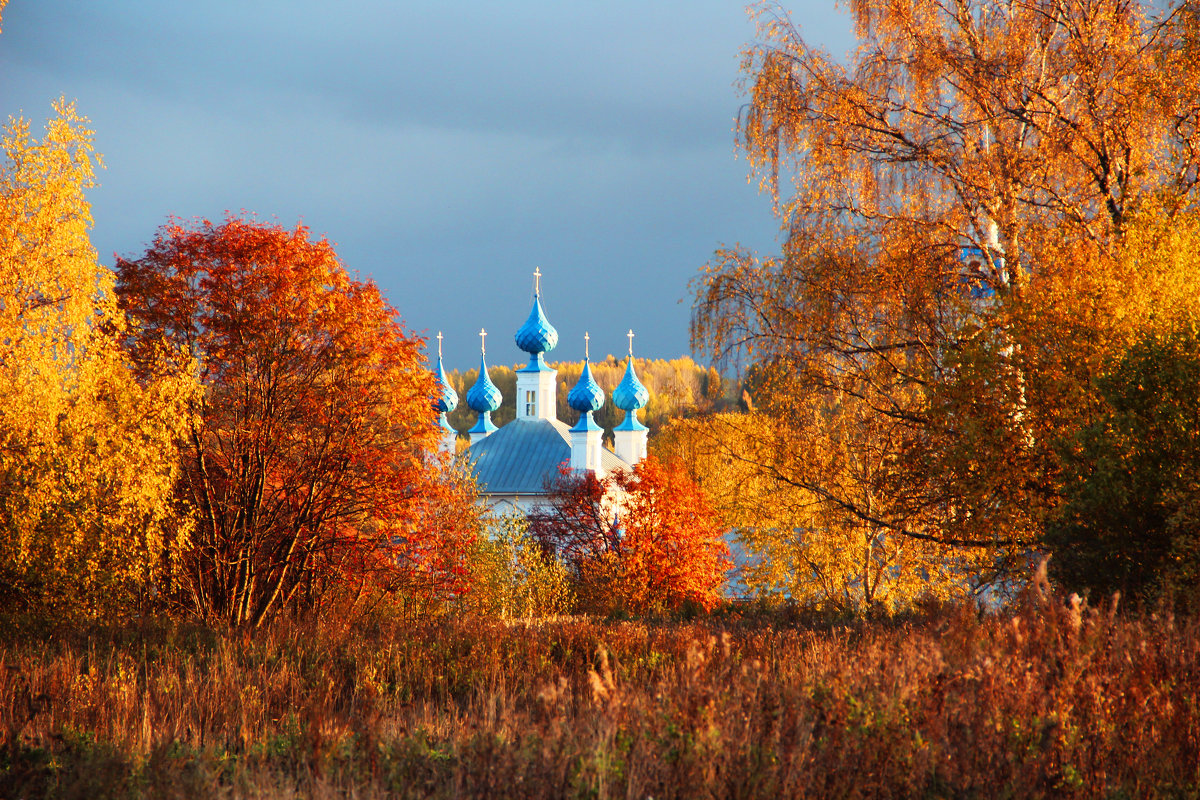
(969, 207)
(1033, 116)
(87, 454)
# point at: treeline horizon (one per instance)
(678, 387)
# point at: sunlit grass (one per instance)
(1044, 701)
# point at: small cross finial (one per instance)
(439, 344)
(537, 280)
(585, 345)
(630, 335)
(482, 341)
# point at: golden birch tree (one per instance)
(87, 454)
(797, 543)
(954, 202)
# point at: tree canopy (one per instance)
(87, 454)
(310, 463)
(964, 206)
(640, 541)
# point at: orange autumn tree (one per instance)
(643, 540)
(955, 199)
(310, 466)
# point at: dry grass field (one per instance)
(1043, 700)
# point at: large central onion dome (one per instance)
(537, 335)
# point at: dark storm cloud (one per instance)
(446, 148)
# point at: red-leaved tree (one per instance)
(311, 466)
(642, 540)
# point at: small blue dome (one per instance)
(587, 394)
(446, 399)
(630, 394)
(537, 335)
(484, 396)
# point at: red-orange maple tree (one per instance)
(641, 540)
(311, 462)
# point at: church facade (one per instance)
(514, 464)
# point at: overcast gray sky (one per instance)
(445, 148)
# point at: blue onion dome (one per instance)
(537, 335)
(483, 396)
(446, 399)
(630, 394)
(587, 394)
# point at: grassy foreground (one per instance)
(1044, 701)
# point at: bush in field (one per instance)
(511, 575)
(639, 541)
(1132, 518)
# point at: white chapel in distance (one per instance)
(514, 464)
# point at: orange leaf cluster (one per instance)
(311, 461)
(642, 540)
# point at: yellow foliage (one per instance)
(512, 576)
(979, 208)
(87, 455)
(773, 486)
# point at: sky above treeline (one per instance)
(446, 149)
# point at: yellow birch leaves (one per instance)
(87, 455)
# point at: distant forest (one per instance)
(679, 387)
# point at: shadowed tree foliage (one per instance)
(1132, 519)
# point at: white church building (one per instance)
(515, 463)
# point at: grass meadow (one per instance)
(1045, 699)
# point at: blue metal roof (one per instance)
(524, 455)
(586, 423)
(484, 424)
(536, 364)
(630, 423)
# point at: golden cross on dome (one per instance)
(483, 341)
(439, 344)
(537, 280)
(630, 335)
(585, 345)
